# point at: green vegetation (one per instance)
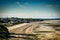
(13, 21)
(3, 33)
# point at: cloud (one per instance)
(21, 5)
(17, 2)
(26, 3)
(51, 5)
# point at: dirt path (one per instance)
(16, 26)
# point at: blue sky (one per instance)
(30, 8)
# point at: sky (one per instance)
(30, 8)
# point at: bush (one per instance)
(4, 34)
